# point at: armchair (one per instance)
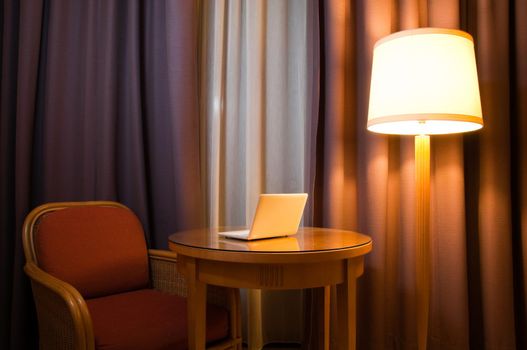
(97, 286)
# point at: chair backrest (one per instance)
(97, 247)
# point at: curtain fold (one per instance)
(501, 177)
(99, 100)
(365, 182)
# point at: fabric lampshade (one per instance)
(424, 81)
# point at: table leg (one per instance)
(327, 315)
(236, 316)
(196, 307)
(346, 304)
(254, 319)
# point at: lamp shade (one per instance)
(424, 81)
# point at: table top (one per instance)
(315, 242)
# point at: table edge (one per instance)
(271, 257)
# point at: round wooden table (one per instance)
(314, 257)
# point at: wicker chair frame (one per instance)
(63, 317)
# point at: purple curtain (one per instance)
(99, 100)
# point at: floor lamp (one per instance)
(424, 82)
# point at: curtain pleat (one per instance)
(520, 160)
(366, 181)
(495, 53)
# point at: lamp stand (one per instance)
(422, 257)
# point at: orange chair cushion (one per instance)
(148, 320)
(99, 250)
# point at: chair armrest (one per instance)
(63, 316)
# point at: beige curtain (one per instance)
(254, 129)
(365, 182)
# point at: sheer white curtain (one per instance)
(255, 130)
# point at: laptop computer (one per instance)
(277, 215)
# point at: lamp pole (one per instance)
(422, 256)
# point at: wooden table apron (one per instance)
(276, 270)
